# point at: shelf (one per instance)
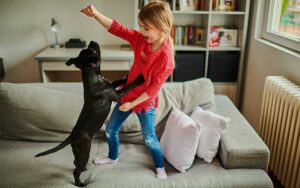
(197, 48)
(188, 48)
(228, 12)
(190, 12)
(224, 49)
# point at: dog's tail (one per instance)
(59, 147)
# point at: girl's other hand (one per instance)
(90, 11)
(125, 107)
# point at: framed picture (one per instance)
(226, 5)
(228, 37)
(187, 5)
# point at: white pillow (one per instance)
(212, 127)
(179, 140)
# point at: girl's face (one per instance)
(150, 32)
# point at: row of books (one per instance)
(145, 2)
(187, 35)
(194, 35)
(218, 5)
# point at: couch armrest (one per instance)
(240, 145)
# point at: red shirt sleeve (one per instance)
(123, 32)
(163, 72)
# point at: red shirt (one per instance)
(156, 66)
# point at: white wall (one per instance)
(263, 60)
(25, 29)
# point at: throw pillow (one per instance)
(179, 140)
(213, 125)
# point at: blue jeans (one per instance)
(146, 119)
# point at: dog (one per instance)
(98, 96)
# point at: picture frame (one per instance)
(225, 5)
(228, 37)
(187, 5)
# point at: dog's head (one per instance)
(89, 57)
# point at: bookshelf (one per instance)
(212, 57)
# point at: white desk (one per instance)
(114, 65)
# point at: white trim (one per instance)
(279, 47)
(273, 38)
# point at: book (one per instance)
(214, 37)
(199, 36)
(187, 35)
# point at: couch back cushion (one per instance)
(49, 111)
(35, 113)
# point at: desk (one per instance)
(114, 65)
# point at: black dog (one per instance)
(98, 97)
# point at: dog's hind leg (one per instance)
(81, 149)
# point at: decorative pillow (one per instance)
(35, 113)
(179, 140)
(213, 125)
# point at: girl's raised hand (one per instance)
(90, 11)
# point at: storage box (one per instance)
(189, 66)
(223, 66)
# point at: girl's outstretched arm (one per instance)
(92, 12)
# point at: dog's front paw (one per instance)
(139, 79)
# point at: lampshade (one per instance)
(54, 25)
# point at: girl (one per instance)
(154, 58)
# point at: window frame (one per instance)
(279, 39)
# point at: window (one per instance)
(282, 23)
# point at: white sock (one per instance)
(104, 160)
(161, 173)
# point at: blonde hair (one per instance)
(159, 14)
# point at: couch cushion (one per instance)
(179, 140)
(135, 169)
(35, 113)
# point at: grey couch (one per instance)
(35, 117)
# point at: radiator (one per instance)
(280, 129)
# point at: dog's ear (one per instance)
(95, 46)
(70, 61)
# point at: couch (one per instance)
(36, 116)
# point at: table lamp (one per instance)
(55, 26)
